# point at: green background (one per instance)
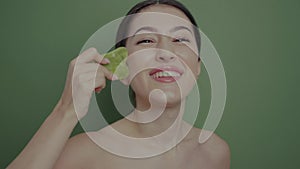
(258, 42)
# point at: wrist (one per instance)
(66, 112)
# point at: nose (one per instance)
(164, 56)
(165, 52)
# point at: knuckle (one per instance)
(93, 50)
(73, 62)
(100, 74)
(101, 81)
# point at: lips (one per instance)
(166, 74)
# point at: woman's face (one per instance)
(163, 54)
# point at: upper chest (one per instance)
(184, 156)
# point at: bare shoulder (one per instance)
(215, 149)
(79, 152)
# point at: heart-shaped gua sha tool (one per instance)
(117, 63)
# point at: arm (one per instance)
(45, 147)
(218, 152)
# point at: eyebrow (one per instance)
(152, 29)
(177, 28)
(145, 28)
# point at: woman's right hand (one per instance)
(85, 75)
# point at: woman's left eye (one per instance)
(181, 40)
(145, 41)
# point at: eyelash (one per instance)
(144, 41)
(147, 41)
(181, 40)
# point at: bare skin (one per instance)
(84, 152)
(81, 152)
(51, 148)
(45, 147)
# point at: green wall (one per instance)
(257, 41)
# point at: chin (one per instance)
(172, 99)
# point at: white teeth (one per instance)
(166, 74)
(160, 74)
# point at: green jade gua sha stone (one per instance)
(116, 58)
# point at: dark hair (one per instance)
(123, 28)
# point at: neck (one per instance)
(156, 117)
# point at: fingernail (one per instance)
(106, 60)
(114, 77)
(97, 90)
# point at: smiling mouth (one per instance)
(166, 74)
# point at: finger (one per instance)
(83, 83)
(98, 89)
(105, 61)
(90, 55)
(87, 67)
(108, 74)
(100, 82)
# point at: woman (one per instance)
(162, 44)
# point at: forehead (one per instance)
(161, 17)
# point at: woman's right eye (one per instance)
(145, 41)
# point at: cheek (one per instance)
(190, 59)
(139, 84)
(131, 46)
(140, 61)
(194, 66)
